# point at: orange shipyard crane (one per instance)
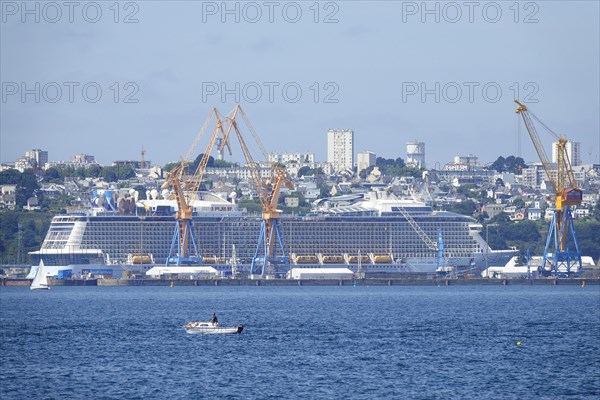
(223, 141)
(270, 241)
(559, 259)
(183, 236)
(184, 248)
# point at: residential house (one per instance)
(534, 213)
(493, 209)
(519, 215)
(292, 202)
(581, 213)
(8, 196)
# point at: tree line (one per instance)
(191, 167)
(531, 235)
(113, 173)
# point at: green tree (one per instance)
(366, 172)
(468, 207)
(469, 190)
(524, 235)
(124, 171)
(34, 226)
(117, 173)
(93, 171)
(52, 175)
(523, 232)
(66, 171)
(81, 172)
(587, 235)
(224, 164)
(307, 171)
(596, 211)
(10, 177)
(168, 167)
(108, 174)
(499, 164)
(304, 171)
(391, 167)
(194, 165)
(250, 205)
(501, 219)
(57, 204)
(386, 163)
(509, 164)
(519, 203)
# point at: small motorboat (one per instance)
(210, 328)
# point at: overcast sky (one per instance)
(391, 71)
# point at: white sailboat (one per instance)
(40, 281)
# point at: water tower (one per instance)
(415, 154)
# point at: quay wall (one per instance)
(340, 282)
(307, 282)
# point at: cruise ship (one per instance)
(371, 233)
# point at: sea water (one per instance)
(468, 342)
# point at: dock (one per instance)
(315, 282)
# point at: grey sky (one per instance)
(372, 60)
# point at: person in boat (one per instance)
(214, 319)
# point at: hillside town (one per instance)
(506, 186)
(507, 190)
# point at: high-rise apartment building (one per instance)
(365, 159)
(340, 149)
(39, 157)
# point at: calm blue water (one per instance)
(314, 342)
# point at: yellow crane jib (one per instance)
(564, 185)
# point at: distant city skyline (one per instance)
(390, 71)
(414, 156)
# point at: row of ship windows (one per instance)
(297, 244)
(314, 226)
(254, 232)
(249, 251)
(315, 239)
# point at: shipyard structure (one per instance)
(372, 234)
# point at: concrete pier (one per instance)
(307, 282)
(341, 282)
